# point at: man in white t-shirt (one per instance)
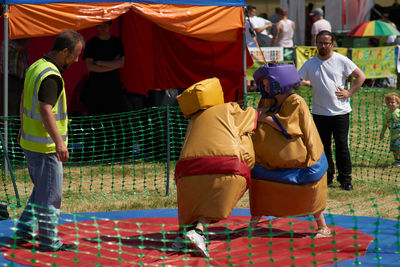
(320, 24)
(327, 73)
(260, 27)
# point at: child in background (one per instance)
(391, 121)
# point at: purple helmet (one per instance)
(282, 77)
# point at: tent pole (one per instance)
(244, 44)
(5, 85)
(7, 165)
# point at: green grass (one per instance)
(116, 182)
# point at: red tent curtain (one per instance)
(156, 58)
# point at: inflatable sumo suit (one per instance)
(289, 177)
(213, 171)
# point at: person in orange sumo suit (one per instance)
(213, 171)
(289, 177)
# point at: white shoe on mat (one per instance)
(197, 242)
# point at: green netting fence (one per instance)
(126, 161)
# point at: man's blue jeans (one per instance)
(43, 208)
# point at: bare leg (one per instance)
(323, 229)
(201, 224)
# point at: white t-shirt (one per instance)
(393, 40)
(320, 25)
(325, 77)
(258, 22)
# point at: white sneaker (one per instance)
(197, 242)
(179, 243)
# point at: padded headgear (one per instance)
(201, 95)
(282, 77)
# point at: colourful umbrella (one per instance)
(373, 28)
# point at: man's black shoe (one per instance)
(64, 247)
(347, 187)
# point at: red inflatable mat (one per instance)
(147, 241)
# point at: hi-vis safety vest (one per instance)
(34, 135)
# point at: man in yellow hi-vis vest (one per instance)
(43, 137)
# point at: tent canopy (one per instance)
(182, 2)
(213, 23)
(167, 45)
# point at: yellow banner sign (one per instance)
(375, 62)
(304, 53)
